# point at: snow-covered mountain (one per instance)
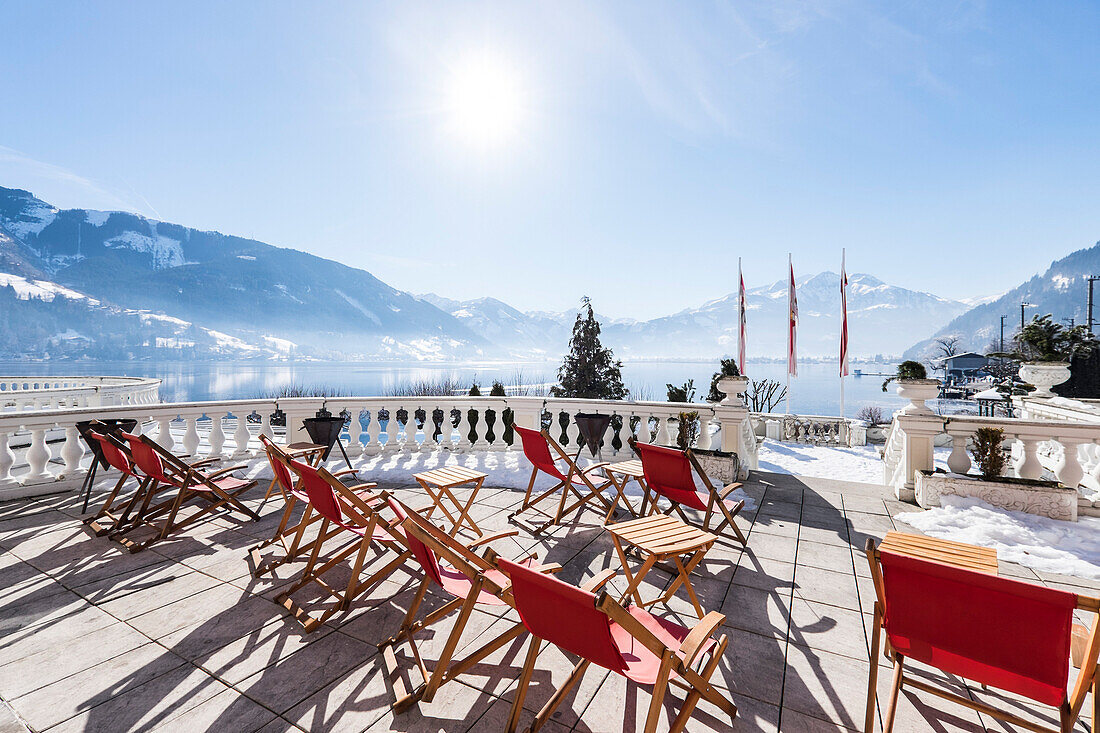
(247, 290)
(882, 319)
(1061, 291)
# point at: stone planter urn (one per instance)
(917, 391)
(1042, 498)
(733, 387)
(1043, 375)
(721, 467)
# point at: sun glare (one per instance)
(485, 101)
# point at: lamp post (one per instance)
(1092, 279)
(1022, 306)
(1002, 349)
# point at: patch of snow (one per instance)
(226, 341)
(146, 317)
(32, 220)
(41, 289)
(281, 345)
(860, 463)
(165, 251)
(1061, 282)
(69, 335)
(96, 218)
(462, 313)
(249, 258)
(283, 289)
(1040, 543)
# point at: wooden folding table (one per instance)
(438, 483)
(660, 537)
(627, 471)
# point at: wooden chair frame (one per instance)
(680, 661)
(117, 518)
(464, 558)
(1068, 713)
(189, 481)
(715, 499)
(289, 537)
(360, 517)
(567, 486)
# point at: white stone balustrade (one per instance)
(19, 394)
(41, 452)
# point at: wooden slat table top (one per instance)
(450, 476)
(660, 534)
(949, 552)
(632, 468)
(304, 447)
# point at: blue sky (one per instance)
(629, 151)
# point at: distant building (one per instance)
(963, 367)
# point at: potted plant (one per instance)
(727, 385)
(1043, 498)
(914, 385)
(1045, 348)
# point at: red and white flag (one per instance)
(792, 331)
(741, 337)
(843, 318)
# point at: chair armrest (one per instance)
(362, 487)
(202, 462)
(345, 472)
(221, 472)
(698, 636)
(730, 489)
(492, 538)
(594, 466)
(599, 581)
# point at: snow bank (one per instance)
(860, 463)
(1040, 543)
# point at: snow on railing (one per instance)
(57, 393)
(50, 450)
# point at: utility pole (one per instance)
(1002, 349)
(1022, 306)
(1092, 279)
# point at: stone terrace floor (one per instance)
(181, 637)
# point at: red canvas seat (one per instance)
(469, 579)
(628, 641)
(165, 471)
(669, 473)
(290, 536)
(571, 478)
(997, 631)
(351, 516)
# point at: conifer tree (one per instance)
(589, 370)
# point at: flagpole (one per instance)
(790, 273)
(740, 320)
(844, 317)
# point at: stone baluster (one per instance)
(407, 436)
(703, 441)
(462, 442)
(38, 457)
(71, 452)
(265, 425)
(572, 435)
(625, 434)
(241, 436)
(7, 460)
(1029, 466)
(374, 430)
(959, 460)
(446, 430)
(1068, 470)
(164, 432)
(355, 428)
(216, 437)
(191, 435)
(644, 434)
(663, 435)
(391, 430)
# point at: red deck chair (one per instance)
(290, 537)
(997, 631)
(571, 478)
(168, 473)
(668, 473)
(118, 457)
(350, 515)
(629, 641)
(469, 580)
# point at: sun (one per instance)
(486, 100)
